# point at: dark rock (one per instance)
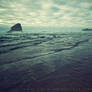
(87, 29)
(17, 27)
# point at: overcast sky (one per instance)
(64, 13)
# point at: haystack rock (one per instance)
(16, 28)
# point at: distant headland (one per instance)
(87, 29)
(16, 28)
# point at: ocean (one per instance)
(46, 62)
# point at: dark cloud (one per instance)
(55, 9)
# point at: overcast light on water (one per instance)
(45, 46)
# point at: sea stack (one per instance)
(16, 28)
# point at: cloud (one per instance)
(46, 12)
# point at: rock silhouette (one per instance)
(17, 27)
(87, 29)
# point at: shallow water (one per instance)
(46, 62)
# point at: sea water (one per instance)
(54, 62)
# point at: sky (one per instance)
(59, 13)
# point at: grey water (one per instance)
(46, 62)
